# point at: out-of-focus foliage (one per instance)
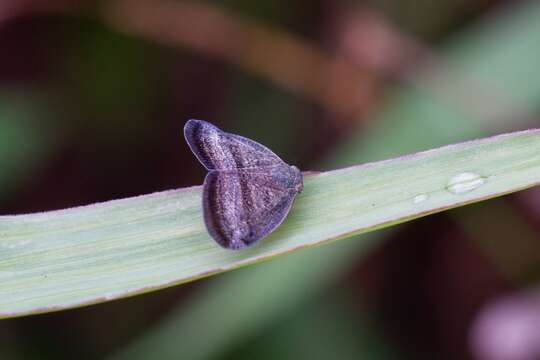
(24, 143)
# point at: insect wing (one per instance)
(218, 150)
(241, 207)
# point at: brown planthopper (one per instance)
(248, 190)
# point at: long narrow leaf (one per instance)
(63, 259)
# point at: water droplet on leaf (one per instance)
(465, 182)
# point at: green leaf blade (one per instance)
(63, 259)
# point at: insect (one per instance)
(248, 190)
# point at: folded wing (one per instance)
(218, 150)
(241, 207)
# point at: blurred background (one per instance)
(93, 99)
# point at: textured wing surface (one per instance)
(218, 150)
(241, 207)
